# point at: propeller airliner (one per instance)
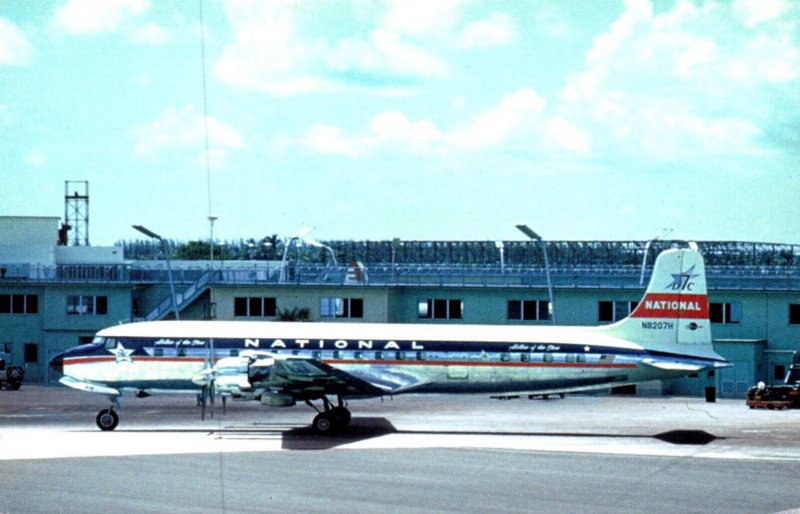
(325, 365)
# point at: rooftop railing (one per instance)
(781, 278)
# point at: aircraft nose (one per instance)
(57, 363)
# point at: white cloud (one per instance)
(276, 49)
(564, 135)
(755, 12)
(35, 158)
(151, 34)
(15, 49)
(517, 115)
(266, 54)
(328, 140)
(496, 30)
(687, 83)
(183, 129)
(422, 17)
(384, 52)
(97, 16)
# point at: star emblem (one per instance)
(681, 280)
(121, 353)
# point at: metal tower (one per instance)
(76, 211)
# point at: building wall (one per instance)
(764, 317)
(28, 239)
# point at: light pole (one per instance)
(300, 234)
(647, 249)
(164, 248)
(501, 247)
(211, 220)
(536, 237)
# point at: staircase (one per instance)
(182, 299)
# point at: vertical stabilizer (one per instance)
(673, 315)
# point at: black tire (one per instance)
(15, 378)
(323, 423)
(341, 417)
(107, 420)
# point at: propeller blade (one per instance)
(203, 403)
(212, 390)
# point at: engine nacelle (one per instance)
(260, 369)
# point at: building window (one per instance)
(87, 305)
(529, 310)
(334, 307)
(728, 313)
(439, 308)
(608, 311)
(31, 353)
(255, 307)
(19, 304)
(794, 314)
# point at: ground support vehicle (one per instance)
(10, 376)
(778, 397)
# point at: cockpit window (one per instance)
(111, 343)
(98, 340)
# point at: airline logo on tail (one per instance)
(682, 281)
(678, 298)
(672, 305)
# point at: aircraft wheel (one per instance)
(341, 417)
(323, 423)
(107, 420)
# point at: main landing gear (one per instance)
(108, 419)
(331, 418)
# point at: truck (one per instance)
(10, 376)
(778, 397)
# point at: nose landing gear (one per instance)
(108, 419)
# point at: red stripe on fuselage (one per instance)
(672, 306)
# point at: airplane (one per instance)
(666, 336)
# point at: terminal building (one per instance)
(54, 295)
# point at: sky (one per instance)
(421, 120)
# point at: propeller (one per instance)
(207, 380)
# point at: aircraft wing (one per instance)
(281, 380)
(310, 379)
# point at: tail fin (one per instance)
(673, 315)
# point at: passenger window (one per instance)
(158, 352)
(421, 356)
(400, 356)
(337, 354)
(581, 357)
(378, 356)
(525, 357)
(359, 355)
(548, 357)
(315, 354)
(505, 357)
